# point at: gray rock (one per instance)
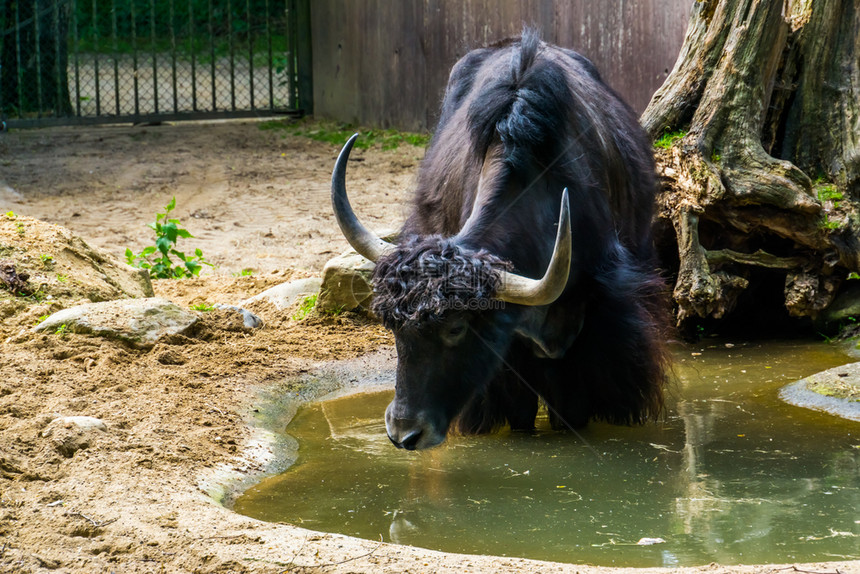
(346, 283)
(845, 377)
(286, 294)
(250, 320)
(141, 322)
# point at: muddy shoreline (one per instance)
(270, 450)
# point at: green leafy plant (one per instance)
(62, 278)
(20, 227)
(247, 272)
(62, 330)
(829, 193)
(47, 260)
(157, 258)
(11, 215)
(305, 307)
(203, 307)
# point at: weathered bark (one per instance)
(767, 174)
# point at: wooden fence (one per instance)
(385, 62)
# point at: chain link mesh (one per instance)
(125, 59)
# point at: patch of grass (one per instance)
(62, 278)
(668, 139)
(337, 134)
(306, 306)
(336, 312)
(829, 192)
(247, 272)
(202, 307)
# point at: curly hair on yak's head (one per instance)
(424, 276)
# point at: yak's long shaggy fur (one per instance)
(521, 121)
(426, 276)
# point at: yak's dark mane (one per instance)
(527, 108)
(425, 276)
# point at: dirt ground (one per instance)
(129, 498)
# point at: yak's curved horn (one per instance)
(525, 291)
(361, 238)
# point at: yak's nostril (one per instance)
(410, 441)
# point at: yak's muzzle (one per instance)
(411, 433)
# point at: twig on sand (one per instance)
(296, 555)
(796, 569)
(95, 523)
(215, 409)
(329, 564)
(228, 537)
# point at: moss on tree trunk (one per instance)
(764, 171)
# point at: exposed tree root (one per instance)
(740, 191)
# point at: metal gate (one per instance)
(101, 61)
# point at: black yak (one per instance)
(499, 294)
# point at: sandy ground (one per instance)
(252, 198)
(133, 497)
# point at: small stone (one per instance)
(250, 320)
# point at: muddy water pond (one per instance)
(731, 475)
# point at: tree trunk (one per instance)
(763, 173)
(34, 58)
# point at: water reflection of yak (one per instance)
(478, 339)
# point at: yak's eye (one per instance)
(457, 330)
(454, 333)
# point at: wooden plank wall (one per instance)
(384, 63)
